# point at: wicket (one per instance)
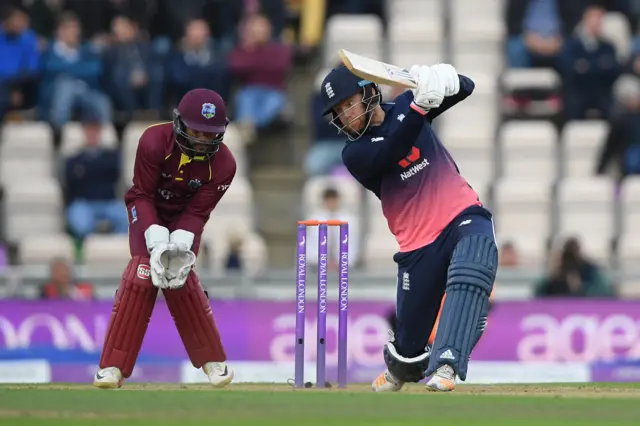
(343, 301)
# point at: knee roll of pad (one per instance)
(409, 370)
(463, 319)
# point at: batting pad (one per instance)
(130, 317)
(191, 312)
(464, 314)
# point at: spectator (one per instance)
(535, 31)
(71, 81)
(19, 60)
(622, 146)
(62, 286)
(332, 210)
(573, 275)
(234, 257)
(261, 65)
(508, 257)
(589, 68)
(91, 179)
(199, 61)
(133, 75)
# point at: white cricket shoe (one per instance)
(219, 373)
(108, 378)
(385, 382)
(444, 379)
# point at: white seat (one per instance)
(107, 252)
(475, 165)
(26, 140)
(238, 200)
(415, 29)
(42, 249)
(360, 34)
(523, 206)
(528, 149)
(581, 144)
(630, 207)
(253, 253)
(32, 208)
(530, 246)
(629, 251)
(616, 29)
(379, 247)
(21, 169)
(523, 78)
(586, 210)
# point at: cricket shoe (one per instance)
(444, 379)
(219, 373)
(385, 382)
(108, 378)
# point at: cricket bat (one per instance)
(377, 71)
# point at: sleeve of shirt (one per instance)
(146, 175)
(373, 155)
(197, 212)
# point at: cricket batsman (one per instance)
(446, 236)
(182, 170)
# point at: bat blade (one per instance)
(377, 71)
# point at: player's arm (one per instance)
(192, 220)
(146, 176)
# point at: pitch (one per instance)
(253, 404)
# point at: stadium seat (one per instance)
(26, 140)
(581, 144)
(26, 169)
(362, 34)
(630, 207)
(528, 149)
(42, 249)
(106, 252)
(73, 138)
(535, 78)
(616, 29)
(32, 207)
(522, 206)
(587, 211)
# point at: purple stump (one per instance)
(301, 283)
(323, 244)
(343, 305)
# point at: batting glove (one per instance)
(431, 89)
(448, 74)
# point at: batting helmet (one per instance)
(199, 123)
(341, 84)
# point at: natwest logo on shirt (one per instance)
(410, 163)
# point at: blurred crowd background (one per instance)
(550, 138)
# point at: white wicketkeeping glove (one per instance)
(449, 75)
(431, 89)
(157, 239)
(181, 259)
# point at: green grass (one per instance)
(176, 405)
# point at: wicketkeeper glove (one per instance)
(181, 259)
(157, 239)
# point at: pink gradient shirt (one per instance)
(406, 165)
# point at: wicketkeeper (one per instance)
(182, 170)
